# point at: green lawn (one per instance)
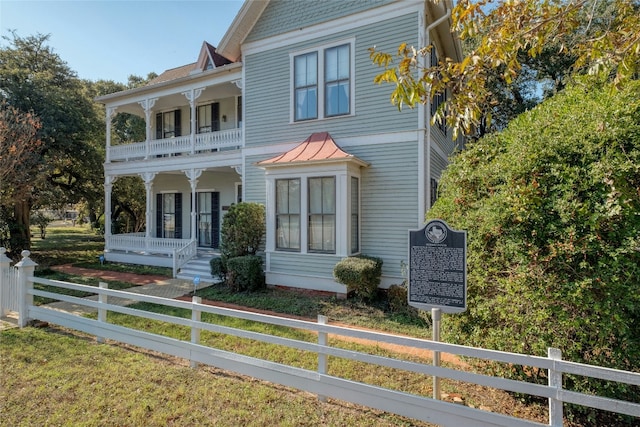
(55, 376)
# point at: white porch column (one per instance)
(193, 175)
(147, 105)
(148, 185)
(191, 96)
(111, 111)
(108, 187)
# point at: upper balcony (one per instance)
(190, 110)
(177, 146)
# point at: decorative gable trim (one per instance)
(208, 59)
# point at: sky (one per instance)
(112, 39)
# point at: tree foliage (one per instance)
(552, 209)
(35, 81)
(583, 35)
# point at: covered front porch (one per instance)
(184, 211)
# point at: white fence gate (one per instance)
(319, 381)
(9, 285)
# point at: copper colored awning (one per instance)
(318, 148)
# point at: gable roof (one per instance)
(249, 13)
(318, 148)
(242, 24)
(207, 55)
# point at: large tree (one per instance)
(19, 162)
(557, 37)
(34, 80)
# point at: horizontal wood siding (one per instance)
(389, 199)
(280, 17)
(438, 164)
(303, 264)
(268, 97)
(254, 181)
(444, 142)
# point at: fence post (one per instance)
(102, 312)
(322, 357)
(26, 268)
(5, 263)
(555, 381)
(175, 262)
(196, 315)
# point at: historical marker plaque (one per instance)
(438, 268)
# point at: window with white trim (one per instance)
(322, 214)
(306, 86)
(355, 215)
(288, 214)
(322, 82)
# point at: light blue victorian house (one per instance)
(284, 112)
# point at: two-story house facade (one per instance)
(299, 127)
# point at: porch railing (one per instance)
(182, 255)
(182, 145)
(181, 250)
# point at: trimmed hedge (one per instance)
(245, 273)
(361, 275)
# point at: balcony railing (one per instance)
(176, 146)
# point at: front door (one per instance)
(208, 208)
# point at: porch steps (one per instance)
(198, 267)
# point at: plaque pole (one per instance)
(435, 319)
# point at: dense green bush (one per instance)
(245, 273)
(218, 268)
(361, 275)
(552, 210)
(243, 229)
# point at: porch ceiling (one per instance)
(172, 99)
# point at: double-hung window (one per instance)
(306, 86)
(323, 83)
(322, 214)
(288, 214)
(336, 80)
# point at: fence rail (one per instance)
(320, 382)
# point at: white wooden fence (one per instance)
(318, 382)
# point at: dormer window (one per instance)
(209, 65)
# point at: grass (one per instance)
(81, 247)
(57, 376)
(52, 377)
(66, 245)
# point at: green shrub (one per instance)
(397, 297)
(243, 229)
(245, 273)
(218, 268)
(361, 275)
(552, 210)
